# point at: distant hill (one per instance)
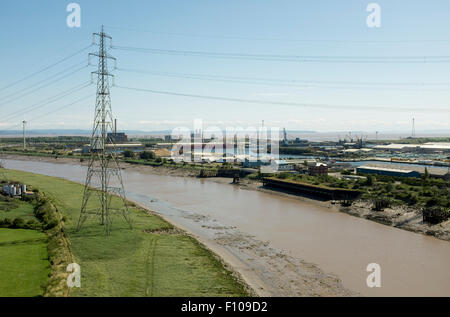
(74, 132)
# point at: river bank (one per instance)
(403, 217)
(152, 259)
(267, 270)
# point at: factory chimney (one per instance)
(24, 135)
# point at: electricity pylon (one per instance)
(103, 164)
(2, 171)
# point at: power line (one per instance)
(45, 68)
(43, 80)
(291, 82)
(39, 86)
(292, 58)
(282, 103)
(47, 101)
(247, 38)
(33, 119)
(62, 107)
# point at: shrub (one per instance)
(18, 223)
(369, 180)
(32, 224)
(432, 202)
(284, 175)
(6, 223)
(46, 213)
(413, 200)
(147, 155)
(128, 154)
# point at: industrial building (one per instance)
(409, 171)
(317, 168)
(116, 137)
(430, 147)
(387, 171)
(281, 165)
(15, 190)
(135, 147)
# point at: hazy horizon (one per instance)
(300, 65)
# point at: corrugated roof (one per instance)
(421, 169)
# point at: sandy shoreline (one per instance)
(267, 271)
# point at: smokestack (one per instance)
(24, 135)
(115, 126)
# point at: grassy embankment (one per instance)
(153, 259)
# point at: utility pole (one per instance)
(103, 165)
(24, 135)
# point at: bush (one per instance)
(413, 200)
(254, 176)
(18, 223)
(46, 213)
(6, 223)
(369, 181)
(147, 155)
(128, 154)
(432, 202)
(284, 175)
(32, 224)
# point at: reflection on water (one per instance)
(411, 264)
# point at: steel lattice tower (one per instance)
(103, 165)
(2, 170)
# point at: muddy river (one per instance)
(411, 264)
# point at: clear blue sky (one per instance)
(34, 34)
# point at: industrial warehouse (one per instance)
(410, 171)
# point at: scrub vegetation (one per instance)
(430, 194)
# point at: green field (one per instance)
(24, 265)
(153, 259)
(16, 209)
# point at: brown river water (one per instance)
(411, 264)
